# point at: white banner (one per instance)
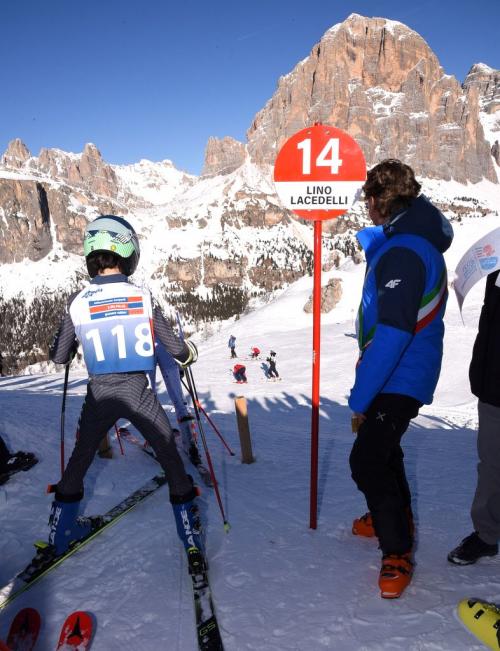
(481, 259)
(318, 195)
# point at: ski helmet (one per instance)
(115, 234)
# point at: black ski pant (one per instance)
(115, 396)
(233, 353)
(377, 467)
(272, 371)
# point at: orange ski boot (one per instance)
(363, 526)
(395, 575)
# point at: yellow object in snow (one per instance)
(482, 619)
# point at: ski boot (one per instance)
(395, 575)
(65, 526)
(363, 526)
(187, 520)
(482, 619)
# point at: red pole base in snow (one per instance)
(313, 509)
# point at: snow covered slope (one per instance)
(278, 586)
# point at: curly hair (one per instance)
(100, 260)
(393, 186)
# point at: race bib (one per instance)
(113, 324)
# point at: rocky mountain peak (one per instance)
(86, 170)
(482, 84)
(16, 154)
(486, 81)
(378, 80)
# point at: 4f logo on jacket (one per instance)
(393, 283)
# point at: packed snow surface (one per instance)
(277, 584)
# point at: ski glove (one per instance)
(193, 355)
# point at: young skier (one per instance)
(232, 345)
(271, 360)
(239, 373)
(254, 353)
(113, 320)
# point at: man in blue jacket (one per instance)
(400, 334)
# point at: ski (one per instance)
(207, 627)
(76, 632)
(44, 561)
(24, 630)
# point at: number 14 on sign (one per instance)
(328, 156)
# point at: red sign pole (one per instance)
(313, 510)
(318, 173)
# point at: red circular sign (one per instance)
(319, 172)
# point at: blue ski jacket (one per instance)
(400, 319)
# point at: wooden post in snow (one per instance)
(244, 429)
(105, 450)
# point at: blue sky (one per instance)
(155, 79)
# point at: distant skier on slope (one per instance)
(239, 373)
(271, 360)
(254, 352)
(400, 334)
(232, 345)
(113, 320)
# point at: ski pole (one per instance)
(190, 379)
(63, 412)
(200, 407)
(193, 394)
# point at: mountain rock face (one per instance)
(16, 154)
(331, 293)
(24, 206)
(483, 83)
(223, 156)
(87, 170)
(379, 81)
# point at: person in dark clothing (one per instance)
(271, 360)
(114, 320)
(11, 463)
(400, 335)
(232, 345)
(484, 375)
(239, 373)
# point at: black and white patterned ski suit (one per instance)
(114, 320)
